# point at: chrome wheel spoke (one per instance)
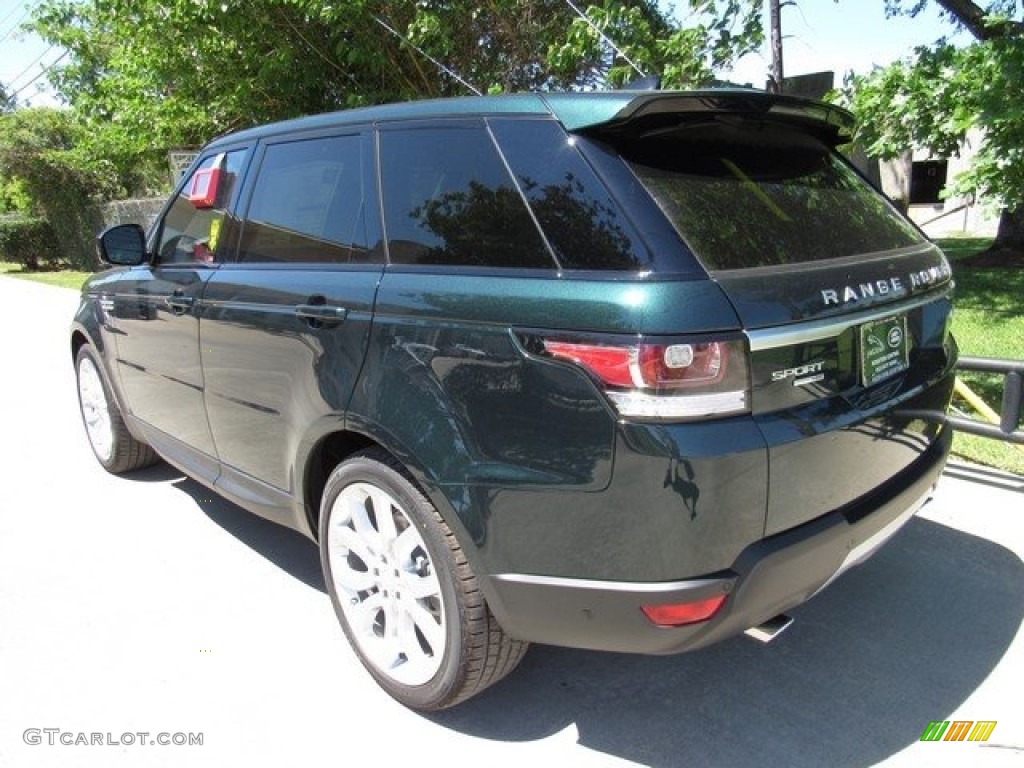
(420, 587)
(355, 508)
(345, 541)
(406, 544)
(367, 615)
(95, 409)
(385, 584)
(353, 580)
(384, 515)
(429, 627)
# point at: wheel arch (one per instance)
(333, 447)
(78, 340)
(82, 335)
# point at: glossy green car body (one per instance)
(259, 376)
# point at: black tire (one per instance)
(123, 453)
(477, 652)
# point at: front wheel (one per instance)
(403, 590)
(111, 442)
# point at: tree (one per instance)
(933, 99)
(37, 159)
(148, 75)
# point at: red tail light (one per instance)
(688, 380)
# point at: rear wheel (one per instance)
(111, 442)
(403, 590)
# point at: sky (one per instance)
(823, 35)
(819, 35)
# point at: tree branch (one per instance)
(973, 16)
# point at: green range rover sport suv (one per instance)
(633, 371)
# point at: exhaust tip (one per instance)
(769, 630)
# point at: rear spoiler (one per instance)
(631, 112)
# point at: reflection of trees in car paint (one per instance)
(502, 419)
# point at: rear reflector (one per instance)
(679, 614)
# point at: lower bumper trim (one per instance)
(768, 578)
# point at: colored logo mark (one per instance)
(959, 730)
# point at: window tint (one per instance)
(755, 195)
(308, 204)
(584, 225)
(197, 232)
(448, 199)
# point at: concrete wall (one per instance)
(140, 211)
(954, 215)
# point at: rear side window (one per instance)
(584, 226)
(758, 195)
(308, 204)
(449, 200)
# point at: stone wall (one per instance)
(140, 211)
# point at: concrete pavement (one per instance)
(145, 604)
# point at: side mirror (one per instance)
(122, 246)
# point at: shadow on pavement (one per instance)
(161, 472)
(896, 643)
(993, 478)
(287, 549)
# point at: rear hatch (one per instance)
(845, 304)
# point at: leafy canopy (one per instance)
(147, 75)
(933, 99)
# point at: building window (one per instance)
(927, 180)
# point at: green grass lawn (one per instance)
(988, 322)
(65, 278)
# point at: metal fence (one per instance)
(1004, 425)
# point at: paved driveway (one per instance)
(147, 605)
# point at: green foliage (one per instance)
(6, 102)
(685, 56)
(29, 242)
(37, 150)
(14, 197)
(933, 99)
(145, 76)
(148, 75)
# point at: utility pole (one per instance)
(775, 11)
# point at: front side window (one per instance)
(308, 204)
(754, 194)
(194, 229)
(449, 200)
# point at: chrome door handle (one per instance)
(320, 312)
(178, 303)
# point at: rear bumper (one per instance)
(769, 577)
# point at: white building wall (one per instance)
(954, 215)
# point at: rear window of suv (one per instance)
(754, 194)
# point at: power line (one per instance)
(36, 60)
(42, 72)
(435, 62)
(28, 9)
(605, 37)
(11, 12)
